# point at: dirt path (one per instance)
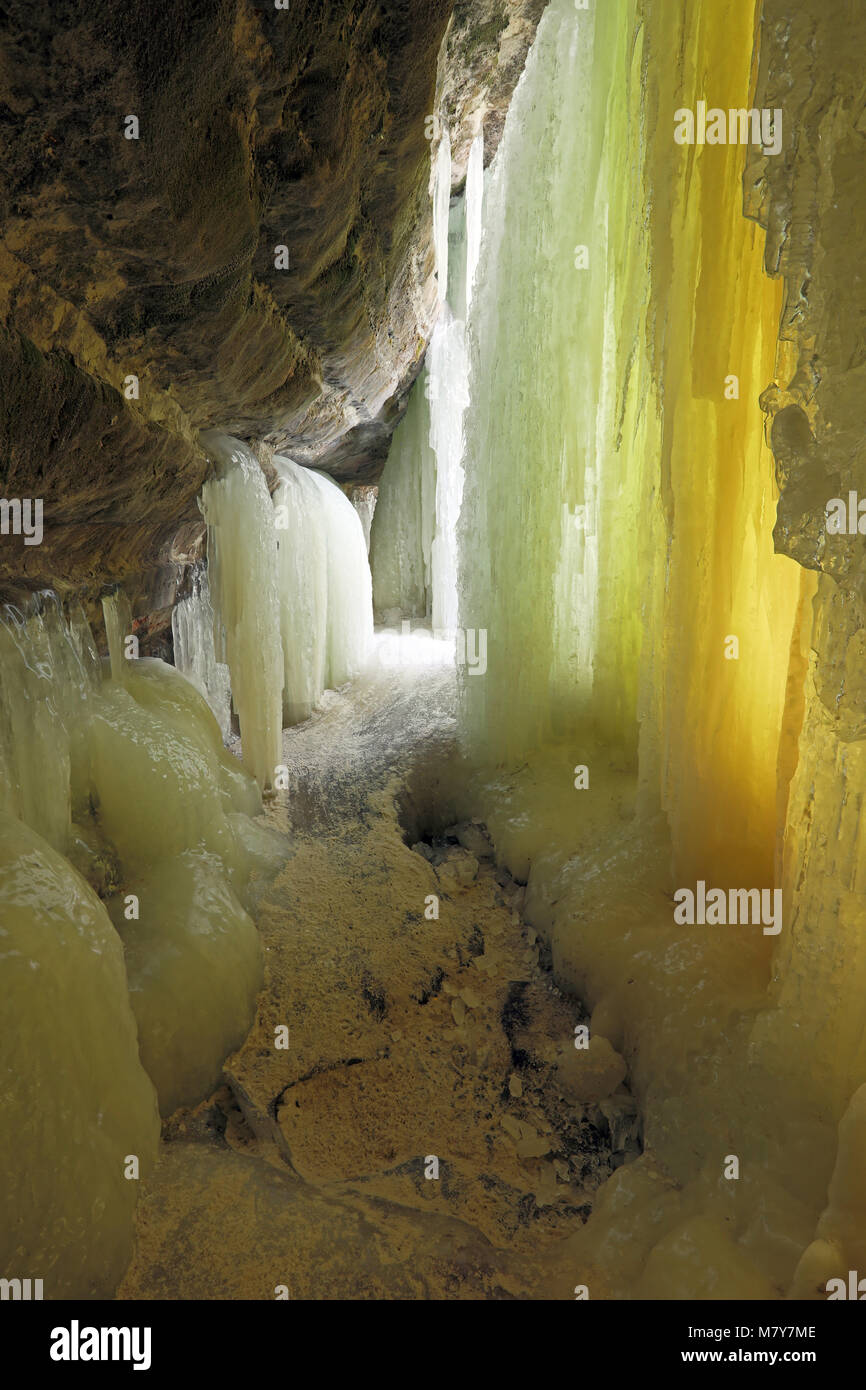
(431, 1130)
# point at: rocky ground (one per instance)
(430, 1131)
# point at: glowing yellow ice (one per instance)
(617, 543)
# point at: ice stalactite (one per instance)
(124, 823)
(414, 550)
(192, 627)
(616, 543)
(364, 500)
(242, 570)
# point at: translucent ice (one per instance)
(146, 810)
(76, 1099)
(325, 588)
(192, 624)
(242, 570)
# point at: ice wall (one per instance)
(192, 629)
(616, 534)
(242, 570)
(529, 524)
(447, 370)
(119, 804)
(401, 537)
(814, 1033)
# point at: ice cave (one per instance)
(433, 652)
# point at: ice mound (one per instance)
(77, 1102)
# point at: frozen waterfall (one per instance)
(325, 588)
(414, 550)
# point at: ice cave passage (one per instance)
(467, 903)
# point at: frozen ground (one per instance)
(430, 1131)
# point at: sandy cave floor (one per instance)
(409, 1039)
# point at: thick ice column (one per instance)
(302, 569)
(118, 626)
(146, 812)
(192, 627)
(242, 568)
(350, 586)
(325, 587)
(401, 536)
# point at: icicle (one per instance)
(441, 192)
(118, 627)
(38, 721)
(192, 625)
(364, 501)
(474, 198)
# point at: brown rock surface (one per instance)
(301, 127)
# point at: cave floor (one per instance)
(413, 1139)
